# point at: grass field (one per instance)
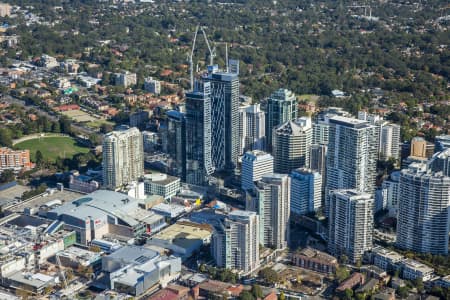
(52, 147)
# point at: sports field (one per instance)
(52, 147)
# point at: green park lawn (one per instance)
(52, 147)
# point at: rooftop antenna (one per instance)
(191, 64)
(226, 56)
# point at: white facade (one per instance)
(255, 164)
(390, 189)
(236, 245)
(423, 216)
(412, 270)
(390, 141)
(350, 223)
(273, 193)
(162, 184)
(352, 155)
(123, 157)
(306, 191)
(126, 79)
(252, 128)
(152, 85)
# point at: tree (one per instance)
(348, 294)
(246, 295)
(257, 291)
(282, 296)
(5, 137)
(7, 176)
(342, 273)
(39, 158)
(403, 291)
(343, 259)
(418, 283)
(269, 275)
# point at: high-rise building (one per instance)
(350, 223)
(126, 79)
(272, 203)
(441, 162)
(224, 117)
(255, 164)
(352, 155)
(321, 125)
(441, 142)
(389, 141)
(291, 145)
(198, 134)
(176, 146)
(389, 193)
(252, 128)
(235, 243)
(423, 216)
(306, 191)
(418, 147)
(281, 107)
(123, 157)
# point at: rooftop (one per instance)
(415, 265)
(313, 253)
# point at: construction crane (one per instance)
(212, 52)
(61, 272)
(191, 63)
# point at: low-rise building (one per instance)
(104, 212)
(213, 289)
(315, 260)
(170, 211)
(134, 269)
(162, 184)
(356, 279)
(412, 270)
(183, 238)
(172, 292)
(15, 159)
(385, 259)
(83, 184)
(75, 257)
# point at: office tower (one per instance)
(306, 191)
(350, 223)
(441, 142)
(272, 196)
(252, 128)
(224, 117)
(291, 144)
(235, 242)
(139, 118)
(281, 107)
(255, 164)
(389, 141)
(423, 216)
(389, 193)
(198, 134)
(352, 155)
(123, 157)
(176, 146)
(321, 124)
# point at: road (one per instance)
(51, 116)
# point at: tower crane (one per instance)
(212, 51)
(191, 63)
